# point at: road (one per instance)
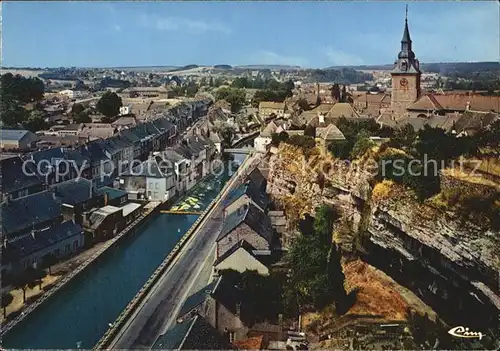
(190, 271)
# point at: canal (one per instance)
(79, 314)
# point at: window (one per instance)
(75, 245)
(231, 336)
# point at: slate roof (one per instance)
(154, 167)
(193, 334)
(28, 244)
(197, 299)
(241, 244)
(74, 191)
(253, 217)
(113, 193)
(130, 135)
(259, 197)
(342, 109)
(258, 179)
(13, 176)
(13, 134)
(93, 152)
(329, 133)
(23, 213)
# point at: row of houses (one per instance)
(100, 159)
(58, 201)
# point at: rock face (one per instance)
(453, 266)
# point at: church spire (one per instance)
(406, 41)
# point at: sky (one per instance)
(307, 34)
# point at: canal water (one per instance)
(80, 313)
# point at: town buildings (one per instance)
(17, 140)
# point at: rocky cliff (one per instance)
(450, 263)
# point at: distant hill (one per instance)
(185, 68)
(437, 67)
(271, 67)
(226, 67)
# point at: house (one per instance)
(12, 139)
(153, 179)
(202, 150)
(125, 110)
(221, 305)
(184, 174)
(265, 136)
(131, 211)
(244, 194)
(119, 150)
(104, 223)
(29, 250)
(326, 135)
(113, 196)
(76, 197)
(100, 163)
(268, 108)
(167, 132)
(32, 212)
(69, 129)
(371, 104)
(241, 258)
(125, 122)
(18, 178)
(148, 92)
(93, 131)
(246, 223)
(72, 93)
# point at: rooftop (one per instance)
(13, 134)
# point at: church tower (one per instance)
(405, 76)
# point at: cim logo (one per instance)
(463, 332)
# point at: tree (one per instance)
(303, 104)
(225, 130)
(35, 277)
(83, 117)
(36, 121)
(336, 92)
(236, 97)
(7, 299)
(48, 261)
(21, 281)
(362, 144)
(77, 109)
(191, 89)
(109, 104)
(316, 275)
(11, 113)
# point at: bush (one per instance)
(303, 141)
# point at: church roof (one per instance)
(342, 109)
(330, 133)
(457, 102)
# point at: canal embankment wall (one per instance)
(119, 323)
(129, 230)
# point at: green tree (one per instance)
(109, 104)
(236, 97)
(22, 281)
(362, 144)
(316, 276)
(303, 104)
(77, 109)
(191, 89)
(12, 113)
(83, 117)
(225, 130)
(48, 261)
(7, 299)
(36, 121)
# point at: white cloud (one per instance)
(178, 23)
(342, 58)
(271, 58)
(117, 28)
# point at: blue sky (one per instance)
(309, 34)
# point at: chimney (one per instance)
(106, 198)
(467, 106)
(4, 243)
